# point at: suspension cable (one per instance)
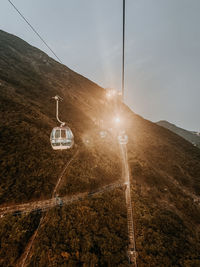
(33, 29)
(123, 48)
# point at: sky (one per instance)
(162, 49)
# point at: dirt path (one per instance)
(42, 205)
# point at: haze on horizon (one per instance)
(162, 48)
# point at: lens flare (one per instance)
(117, 120)
(110, 93)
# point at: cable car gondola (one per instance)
(103, 134)
(123, 138)
(61, 137)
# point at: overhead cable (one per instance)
(123, 48)
(35, 31)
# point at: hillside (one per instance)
(165, 173)
(190, 136)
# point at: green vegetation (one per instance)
(164, 173)
(92, 169)
(90, 233)
(163, 238)
(15, 231)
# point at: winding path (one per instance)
(45, 205)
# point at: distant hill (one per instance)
(192, 137)
(164, 168)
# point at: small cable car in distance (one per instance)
(61, 137)
(103, 134)
(122, 138)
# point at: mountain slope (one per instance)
(165, 172)
(192, 137)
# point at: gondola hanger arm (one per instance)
(58, 98)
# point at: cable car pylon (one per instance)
(61, 137)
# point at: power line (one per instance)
(35, 31)
(123, 48)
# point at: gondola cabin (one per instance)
(61, 138)
(122, 138)
(103, 134)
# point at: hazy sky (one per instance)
(162, 78)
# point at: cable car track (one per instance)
(132, 254)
